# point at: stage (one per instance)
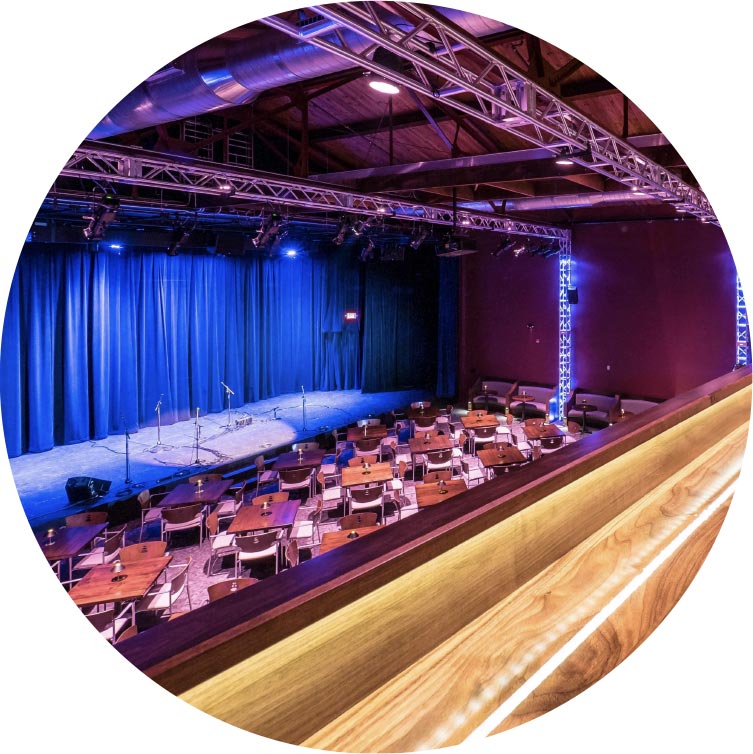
(163, 458)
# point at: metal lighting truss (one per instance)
(104, 163)
(742, 332)
(445, 62)
(565, 332)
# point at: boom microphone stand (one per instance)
(228, 392)
(198, 433)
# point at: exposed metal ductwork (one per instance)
(214, 76)
(565, 201)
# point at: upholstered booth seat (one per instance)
(497, 394)
(635, 405)
(541, 396)
(604, 413)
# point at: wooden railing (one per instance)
(450, 614)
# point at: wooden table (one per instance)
(431, 494)
(67, 542)
(503, 457)
(294, 460)
(435, 442)
(186, 494)
(372, 430)
(259, 518)
(523, 398)
(430, 412)
(585, 408)
(537, 431)
(102, 584)
(333, 539)
(270, 497)
(473, 421)
(379, 473)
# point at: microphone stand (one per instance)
(303, 406)
(128, 479)
(228, 392)
(157, 409)
(198, 432)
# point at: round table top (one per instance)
(523, 398)
(585, 407)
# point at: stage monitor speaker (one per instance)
(82, 488)
(572, 295)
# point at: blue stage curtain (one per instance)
(93, 341)
(447, 327)
(400, 326)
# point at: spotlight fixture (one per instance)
(179, 238)
(268, 230)
(368, 250)
(103, 213)
(341, 231)
(569, 155)
(387, 59)
(418, 236)
(361, 226)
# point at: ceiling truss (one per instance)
(110, 165)
(442, 61)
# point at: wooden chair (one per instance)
(269, 497)
(297, 479)
(255, 547)
(162, 597)
(357, 520)
(107, 552)
(228, 507)
(223, 588)
(264, 477)
(149, 512)
(366, 498)
(291, 553)
(367, 446)
(142, 551)
(87, 518)
(110, 623)
(182, 518)
(309, 445)
(221, 543)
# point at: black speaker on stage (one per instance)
(82, 488)
(572, 295)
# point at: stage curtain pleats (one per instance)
(93, 340)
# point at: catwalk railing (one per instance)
(359, 649)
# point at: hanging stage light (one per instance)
(104, 212)
(418, 236)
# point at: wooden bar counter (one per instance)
(494, 584)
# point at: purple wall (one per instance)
(656, 305)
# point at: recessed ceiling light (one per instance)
(385, 87)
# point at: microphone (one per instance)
(159, 403)
(226, 388)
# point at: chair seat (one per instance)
(95, 557)
(223, 542)
(157, 598)
(258, 554)
(151, 514)
(302, 530)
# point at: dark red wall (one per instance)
(499, 298)
(656, 305)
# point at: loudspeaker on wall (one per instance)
(572, 295)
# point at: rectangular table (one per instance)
(378, 473)
(503, 457)
(102, 584)
(294, 460)
(537, 431)
(333, 539)
(473, 421)
(372, 430)
(260, 517)
(67, 542)
(186, 494)
(431, 494)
